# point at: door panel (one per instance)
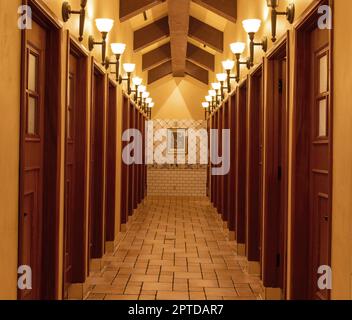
(96, 223)
(31, 217)
(319, 159)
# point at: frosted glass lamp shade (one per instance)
(129, 67)
(237, 47)
(118, 48)
(221, 77)
(205, 105)
(251, 25)
(228, 64)
(151, 105)
(104, 25)
(148, 100)
(212, 93)
(216, 86)
(137, 81)
(145, 95)
(209, 98)
(142, 89)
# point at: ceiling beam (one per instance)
(156, 57)
(130, 9)
(206, 34)
(224, 8)
(178, 21)
(197, 72)
(151, 33)
(159, 72)
(201, 57)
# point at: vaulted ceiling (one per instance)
(172, 37)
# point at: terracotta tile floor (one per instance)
(174, 249)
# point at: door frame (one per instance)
(299, 235)
(111, 184)
(80, 229)
(42, 15)
(269, 252)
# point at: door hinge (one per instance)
(279, 173)
(278, 260)
(281, 86)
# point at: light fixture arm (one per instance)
(67, 12)
(92, 43)
(289, 13)
(117, 64)
(238, 66)
(263, 44)
(128, 80)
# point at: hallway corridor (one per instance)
(174, 249)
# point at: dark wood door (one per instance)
(255, 166)
(70, 163)
(275, 184)
(241, 180)
(111, 165)
(31, 216)
(319, 159)
(96, 206)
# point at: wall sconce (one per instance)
(149, 111)
(212, 93)
(209, 99)
(104, 26)
(136, 82)
(221, 77)
(237, 49)
(117, 49)
(145, 96)
(252, 27)
(217, 86)
(228, 66)
(289, 13)
(205, 106)
(129, 68)
(140, 91)
(67, 12)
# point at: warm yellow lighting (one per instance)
(237, 47)
(104, 25)
(151, 105)
(142, 89)
(129, 67)
(145, 95)
(212, 93)
(118, 48)
(221, 77)
(251, 25)
(137, 81)
(216, 85)
(205, 105)
(209, 98)
(228, 64)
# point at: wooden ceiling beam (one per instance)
(130, 9)
(206, 34)
(159, 72)
(201, 57)
(156, 57)
(151, 34)
(178, 21)
(224, 8)
(197, 72)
